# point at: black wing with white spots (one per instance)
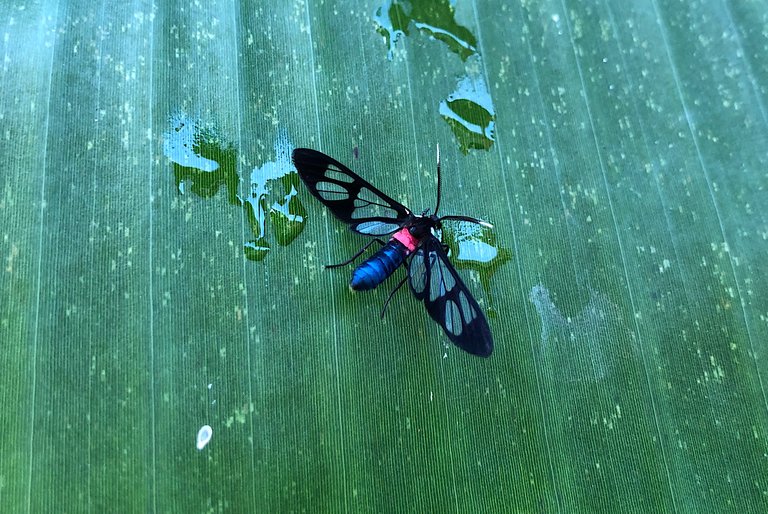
(434, 280)
(350, 198)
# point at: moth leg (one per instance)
(358, 254)
(398, 286)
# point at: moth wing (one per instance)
(434, 280)
(350, 198)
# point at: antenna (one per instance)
(438, 179)
(454, 218)
(467, 219)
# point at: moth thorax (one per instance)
(405, 237)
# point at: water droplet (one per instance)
(474, 247)
(204, 436)
(470, 113)
(436, 19)
(202, 160)
(273, 195)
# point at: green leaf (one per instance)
(163, 267)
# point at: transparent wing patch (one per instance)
(375, 228)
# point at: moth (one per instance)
(413, 243)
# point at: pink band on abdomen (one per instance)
(404, 236)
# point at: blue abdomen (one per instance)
(381, 265)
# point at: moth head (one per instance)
(423, 225)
